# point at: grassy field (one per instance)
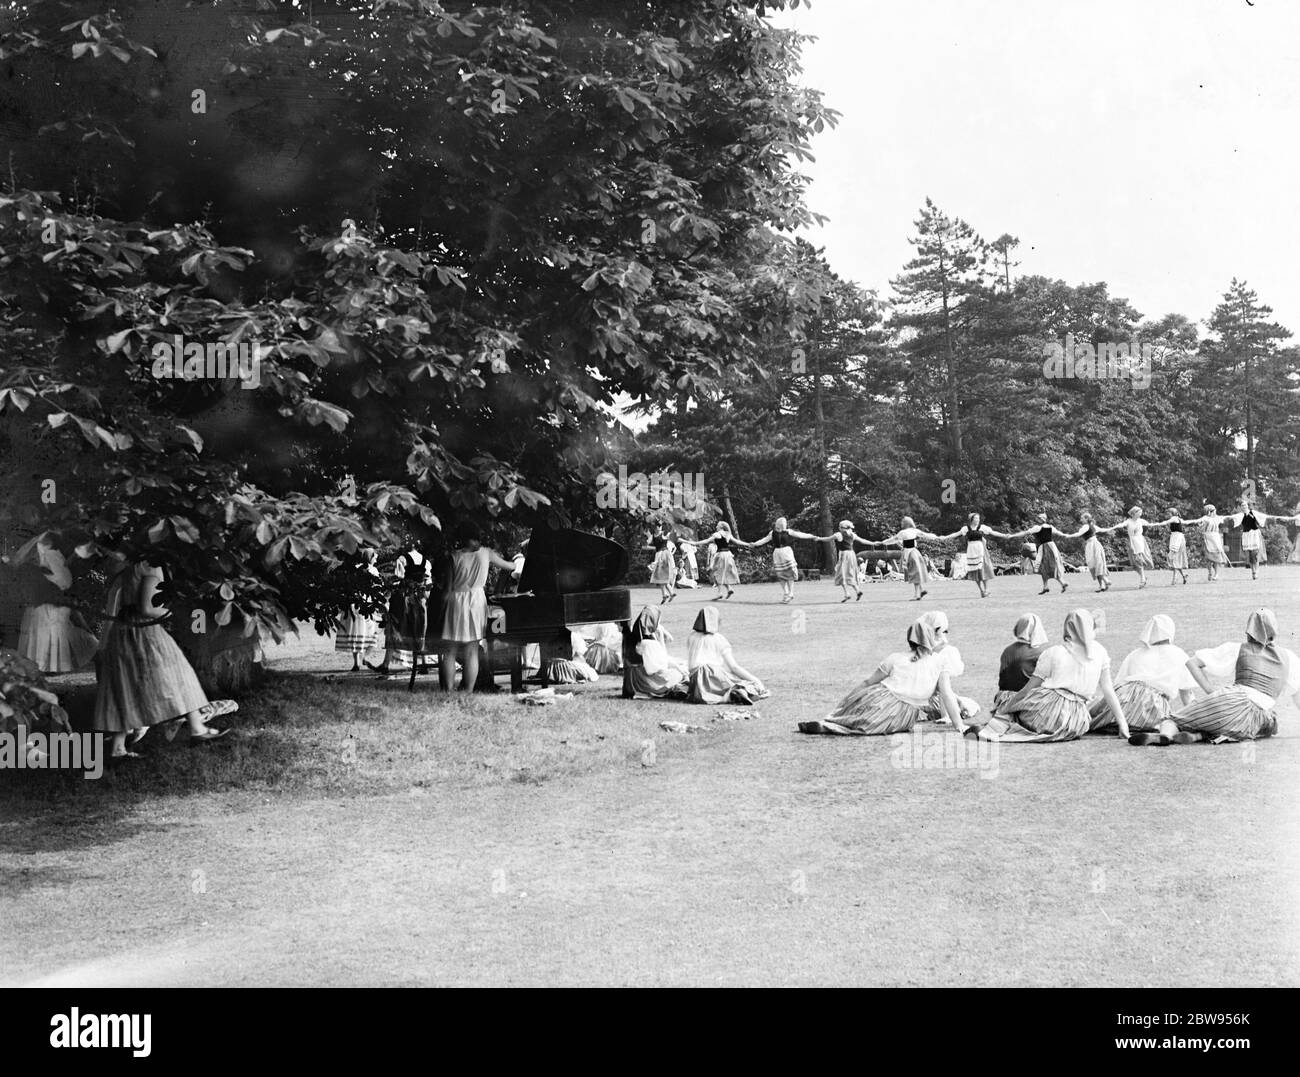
(350, 832)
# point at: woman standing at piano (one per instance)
(464, 622)
(664, 570)
(783, 562)
(722, 566)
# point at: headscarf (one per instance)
(922, 635)
(1160, 629)
(1029, 629)
(781, 524)
(1080, 630)
(646, 624)
(846, 525)
(1261, 627)
(707, 619)
(908, 521)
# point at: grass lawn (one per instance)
(350, 832)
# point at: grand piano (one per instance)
(569, 580)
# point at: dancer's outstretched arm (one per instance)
(761, 542)
(799, 534)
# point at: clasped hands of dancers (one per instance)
(1061, 692)
(1042, 551)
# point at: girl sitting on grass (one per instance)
(1150, 679)
(715, 675)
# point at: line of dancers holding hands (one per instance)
(1060, 692)
(1041, 553)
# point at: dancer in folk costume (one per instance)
(1215, 557)
(907, 687)
(848, 574)
(978, 563)
(144, 678)
(1177, 546)
(358, 632)
(783, 562)
(1050, 565)
(1150, 681)
(651, 672)
(715, 675)
(914, 566)
(1139, 550)
(722, 562)
(406, 622)
(690, 562)
(464, 619)
(1252, 523)
(604, 651)
(1053, 705)
(1262, 673)
(1094, 553)
(52, 634)
(1018, 661)
(664, 570)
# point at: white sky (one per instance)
(1151, 144)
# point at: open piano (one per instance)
(570, 579)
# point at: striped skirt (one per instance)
(708, 684)
(1049, 714)
(783, 564)
(846, 569)
(979, 565)
(1214, 548)
(1002, 695)
(662, 685)
(1177, 550)
(1049, 562)
(1144, 707)
(48, 637)
(1139, 552)
(723, 570)
(356, 634)
(868, 710)
(144, 679)
(914, 566)
(1252, 547)
(604, 659)
(664, 569)
(1094, 554)
(569, 671)
(1228, 713)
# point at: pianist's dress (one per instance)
(465, 619)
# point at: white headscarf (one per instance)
(1160, 629)
(1081, 631)
(1029, 629)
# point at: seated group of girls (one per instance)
(710, 674)
(1061, 692)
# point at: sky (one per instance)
(1150, 144)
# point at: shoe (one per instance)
(923, 594)
(859, 598)
(1043, 591)
(1183, 738)
(1064, 587)
(211, 734)
(1142, 739)
(845, 599)
(730, 592)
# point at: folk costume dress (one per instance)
(1150, 679)
(47, 635)
(1262, 673)
(1139, 550)
(709, 660)
(358, 633)
(1177, 545)
(846, 561)
(406, 627)
(978, 563)
(651, 671)
(567, 663)
(1213, 538)
(664, 569)
(144, 678)
(783, 562)
(1018, 661)
(604, 651)
(1094, 554)
(914, 568)
(723, 568)
(1050, 565)
(1057, 710)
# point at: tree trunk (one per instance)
(823, 492)
(731, 515)
(950, 371)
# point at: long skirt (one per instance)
(783, 564)
(604, 659)
(979, 565)
(724, 571)
(868, 710)
(709, 684)
(1214, 548)
(1002, 695)
(914, 566)
(465, 618)
(1049, 563)
(846, 569)
(356, 634)
(49, 638)
(144, 679)
(569, 671)
(1139, 552)
(1228, 714)
(664, 569)
(1177, 550)
(667, 683)
(407, 623)
(1049, 714)
(1094, 554)
(1144, 707)
(1252, 547)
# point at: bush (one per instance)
(24, 698)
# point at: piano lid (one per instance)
(564, 561)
